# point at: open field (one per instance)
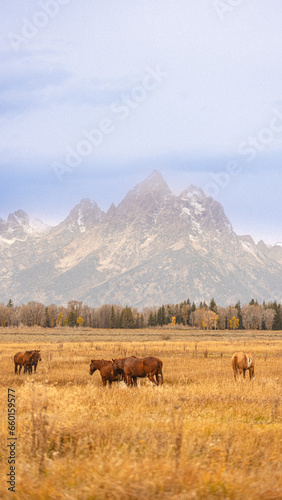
(199, 436)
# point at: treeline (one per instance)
(255, 316)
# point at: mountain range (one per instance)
(153, 248)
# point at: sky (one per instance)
(95, 95)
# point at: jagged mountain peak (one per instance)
(85, 206)
(112, 210)
(154, 247)
(83, 216)
(147, 194)
(19, 226)
(18, 217)
(153, 183)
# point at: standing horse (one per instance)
(118, 366)
(22, 359)
(241, 362)
(33, 362)
(106, 371)
(134, 368)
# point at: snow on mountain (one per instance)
(153, 248)
(19, 226)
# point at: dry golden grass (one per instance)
(199, 436)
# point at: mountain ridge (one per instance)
(153, 247)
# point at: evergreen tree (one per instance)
(152, 320)
(126, 318)
(277, 320)
(113, 321)
(161, 316)
(47, 320)
(213, 306)
(238, 307)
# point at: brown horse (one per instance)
(106, 371)
(118, 366)
(34, 361)
(134, 368)
(241, 362)
(25, 359)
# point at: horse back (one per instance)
(154, 359)
(242, 361)
(152, 363)
(133, 366)
(18, 358)
(27, 357)
(108, 372)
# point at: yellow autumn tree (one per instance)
(80, 321)
(234, 323)
(59, 319)
(210, 320)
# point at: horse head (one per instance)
(93, 368)
(37, 355)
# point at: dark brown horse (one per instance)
(34, 361)
(241, 362)
(106, 371)
(134, 368)
(26, 360)
(118, 366)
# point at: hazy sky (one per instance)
(94, 95)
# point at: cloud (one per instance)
(223, 80)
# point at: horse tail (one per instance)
(235, 365)
(159, 372)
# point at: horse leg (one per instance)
(151, 378)
(16, 368)
(159, 378)
(20, 367)
(104, 381)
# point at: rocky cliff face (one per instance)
(153, 248)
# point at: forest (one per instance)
(186, 314)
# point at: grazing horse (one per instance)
(118, 366)
(134, 368)
(33, 362)
(241, 362)
(23, 359)
(106, 371)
